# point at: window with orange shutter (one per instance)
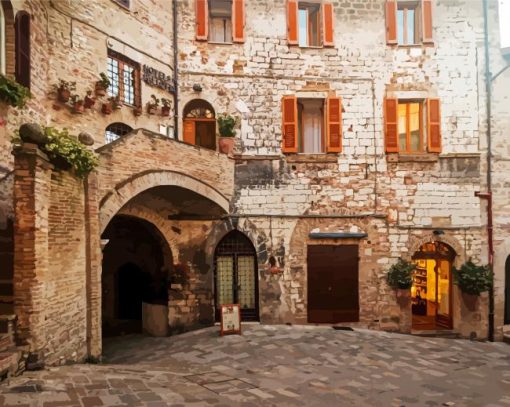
(409, 22)
(224, 19)
(310, 24)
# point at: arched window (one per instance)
(199, 126)
(115, 131)
(22, 28)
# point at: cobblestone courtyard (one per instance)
(276, 366)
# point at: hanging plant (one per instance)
(152, 105)
(89, 100)
(67, 152)
(12, 93)
(102, 84)
(473, 279)
(78, 104)
(400, 275)
(165, 109)
(64, 89)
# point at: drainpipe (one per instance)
(176, 72)
(488, 194)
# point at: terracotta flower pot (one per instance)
(137, 111)
(403, 296)
(152, 109)
(100, 90)
(106, 108)
(64, 95)
(78, 107)
(165, 111)
(470, 300)
(89, 102)
(226, 145)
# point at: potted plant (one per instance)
(64, 90)
(152, 105)
(472, 281)
(226, 125)
(89, 100)
(12, 93)
(137, 111)
(400, 278)
(78, 106)
(116, 102)
(102, 84)
(107, 108)
(165, 109)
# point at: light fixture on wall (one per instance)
(235, 221)
(438, 232)
(197, 87)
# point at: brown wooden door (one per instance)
(333, 284)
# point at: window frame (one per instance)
(23, 48)
(123, 60)
(422, 112)
(211, 17)
(307, 5)
(417, 27)
(300, 132)
(123, 127)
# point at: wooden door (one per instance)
(333, 294)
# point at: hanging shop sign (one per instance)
(230, 319)
(158, 79)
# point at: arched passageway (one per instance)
(431, 292)
(136, 265)
(236, 276)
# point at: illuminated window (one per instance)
(410, 126)
(124, 76)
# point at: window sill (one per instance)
(409, 157)
(420, 45)
(312, 158)
(219, 43)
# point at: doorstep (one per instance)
(437, 333)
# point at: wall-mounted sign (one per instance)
(230, 319)
(158, 79)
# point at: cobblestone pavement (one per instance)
(276, 366)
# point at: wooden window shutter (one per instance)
(22, 30)
(328, 19)
(334, 125)
(238, 20)
(290, 124)
(434, 125)
(292, 22)
(391, 125)
(426, 12)
(202, 14)
(391, 22)
(188, 132)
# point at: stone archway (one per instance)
(123, 192)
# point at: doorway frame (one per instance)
(422, 255)
(253, 253)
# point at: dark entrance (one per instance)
(507, 291)
(136, 262)
(235, 276)
(333, 284)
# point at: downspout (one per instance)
(176, 72)
(488, 194)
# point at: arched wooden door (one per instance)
(235, 275)
(199, 124)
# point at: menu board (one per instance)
(230, 319)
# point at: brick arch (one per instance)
(124, 191)
(417, 241)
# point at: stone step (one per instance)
(437, 333)
(9, 363)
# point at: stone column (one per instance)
(32, 177)
(94, 268)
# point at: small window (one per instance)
(220, 21)
(311, 126)
(408, 23)
(410, 126)
(116, 130)
(309, 17)
(124, 76)
(22, 27)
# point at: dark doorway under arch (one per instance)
(236, 275)
(136, 265)
(507, 291)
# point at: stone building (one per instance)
(361, 138)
